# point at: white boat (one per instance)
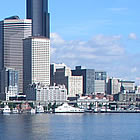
(39, 109)
(103, 109)
(96, 110)
(33, 111)
(65, 108)
(6, 110)
(15, 111)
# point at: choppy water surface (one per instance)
(70, 127)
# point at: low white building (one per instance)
(39, 92)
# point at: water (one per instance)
(70, 127)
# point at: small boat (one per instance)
(65, 108)
(33, 111)
(40, 109)
(6, 110)
(15, 111)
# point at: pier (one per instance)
(83, 102)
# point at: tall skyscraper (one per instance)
(12, 32)
(36, 62)
(37, 10)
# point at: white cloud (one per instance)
(56, 39)
(132, 36)
(98, 49)
(118, 9)
(101, 53)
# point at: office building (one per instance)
(53, 68)
(75, 86)
(36, 63)
(88, 79)
(128, 86)
(37, 10)
(131, 97)
(100, 82)
(100, 75)
(12, 32)
(42, 93)
(62, 75)
(9, 83)
(113, 86)
(100, 86)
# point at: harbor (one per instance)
(92, 106)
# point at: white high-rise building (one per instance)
(12, 32)
(75, 86)
(36, 64)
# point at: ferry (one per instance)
(6, 110)
(65, 108)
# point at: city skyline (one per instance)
(104, 40)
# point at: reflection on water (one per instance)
(22, 127)
(70, 127)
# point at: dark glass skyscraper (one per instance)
(37, 10)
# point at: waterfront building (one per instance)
(37, 10)
(128, 86)
(100, 82)
(130, 97)
(75, 86)
(9, 83)
(100, 86)
(36, 63)
(12, 32)
(88, 79)
(42, 93)
(116, 85)
(100, 75)
(53, 68)
(63, 76)
(113, 86)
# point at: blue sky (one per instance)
(100, 34)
